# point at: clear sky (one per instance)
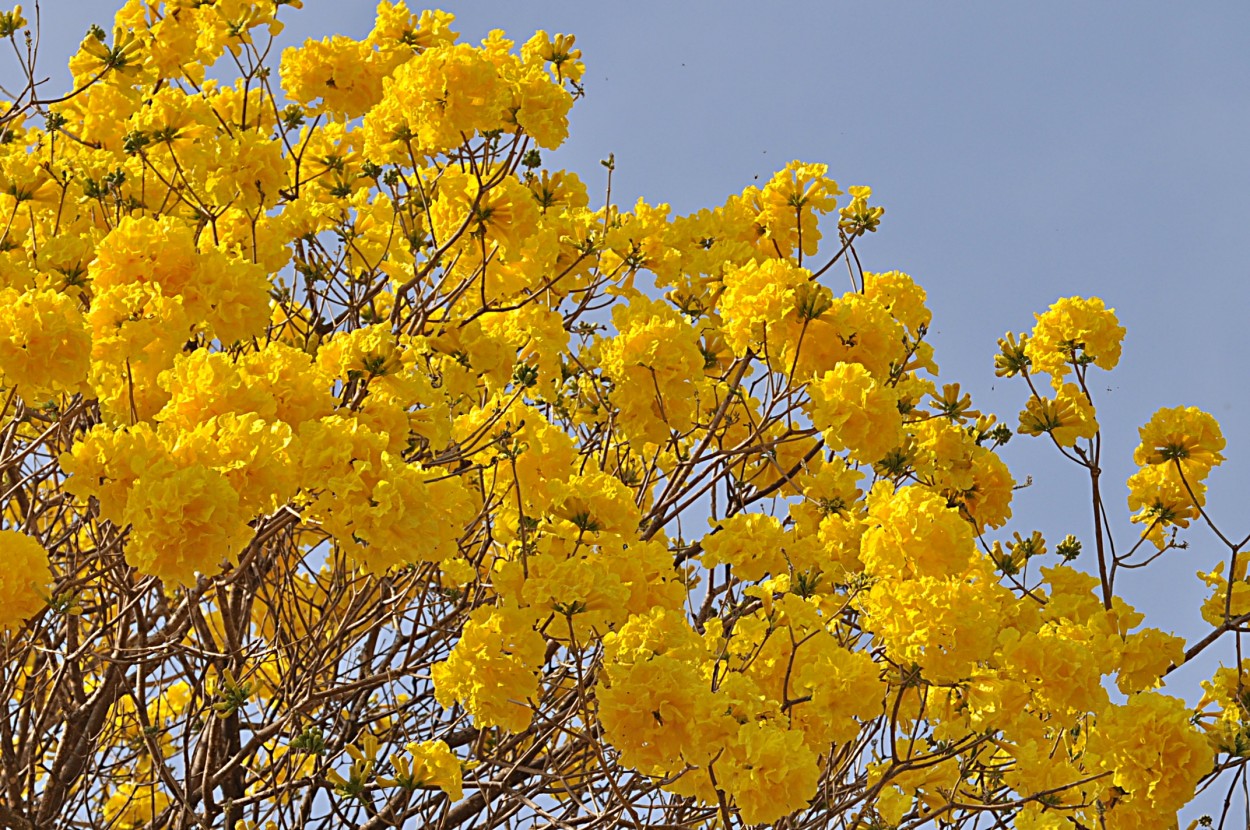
(1023, 151)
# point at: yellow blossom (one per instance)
(25, 580)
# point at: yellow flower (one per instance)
(184, 522)
(399, 30)
(595, 503)
(1012, 357)
(203, 385)
(106, 462)
(362, 354)
(337, 75)
(655, 364)
(656, 714)
(433, 101)
(432, 764)
(25, 578)
(857, 217)
(1162, 500)
(45, 347)
(1153, 752)
(95, 58)
(988, 500)
(756, 298)
(753, 543)
(856, 413)
(300, 389)
(788, 205)
(902, 297)
(912, 532)
(656, 704)
(1075, 331)
(12, 22)
(1182, 434)
(132, 806)
(502, 215)
(1066, 417)
(955, 405)
(493, 669)
(945, 625)
(1147, 655)
(769, 772)
(566, 62)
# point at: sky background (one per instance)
(1023, 151)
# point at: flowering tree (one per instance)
(360, 471)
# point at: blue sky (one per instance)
(1024, 152)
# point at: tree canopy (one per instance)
(359, 470)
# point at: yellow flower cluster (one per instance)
(856, 413)
(1179, 446)
(24, 580)
(493, 671)
(1073, 333)
(44, 345)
